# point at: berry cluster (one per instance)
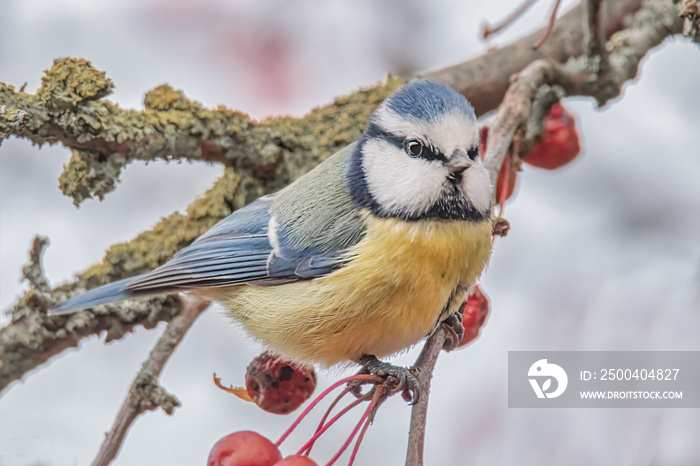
(279, 386)
(248, 448)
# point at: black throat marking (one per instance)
(450, 206)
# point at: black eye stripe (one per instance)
(429, 151)
(473, 152)
(373, 131)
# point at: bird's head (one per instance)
(419, 158)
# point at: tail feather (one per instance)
(112, 292)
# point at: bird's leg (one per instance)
(455, 330)
(398, 378)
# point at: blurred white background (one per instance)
(603, 254)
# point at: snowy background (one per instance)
(604, 254)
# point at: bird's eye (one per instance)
(414, 148)
(473, 152)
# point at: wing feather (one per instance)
(319, 225)
(312, 241)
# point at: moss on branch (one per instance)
(260, 157)
(70, 108)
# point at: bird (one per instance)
(362, 257)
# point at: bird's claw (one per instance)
(397, 378)
(455, 331)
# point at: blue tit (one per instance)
(364, 255)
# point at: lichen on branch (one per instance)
(261, 157)
(277, 151)
(70, 108)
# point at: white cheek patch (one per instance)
(476, 186)
(399, 183)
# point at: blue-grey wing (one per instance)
(241, 249)
(305, 231)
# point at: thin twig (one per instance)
(508, 20)
(33, 272)
(550, 26)
(145, 393)
(423, 370)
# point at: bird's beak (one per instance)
(459, 162)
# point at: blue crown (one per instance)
(427, 100)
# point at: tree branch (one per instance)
(656, 21)
(485, 79)
(69, 108)
(31, 337)
(145, 393)
(72, 92)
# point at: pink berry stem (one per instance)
(318, 433)
(328, 413)
(368, 421)
(352, 435)
(363, 377)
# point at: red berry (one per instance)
(279, 386)
(560, 143)
(297, 460)
(475, 312)
(505, 185)
(244, 449)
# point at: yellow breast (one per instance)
(387, 298)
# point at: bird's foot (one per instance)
(455, 331)
(397, 378)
